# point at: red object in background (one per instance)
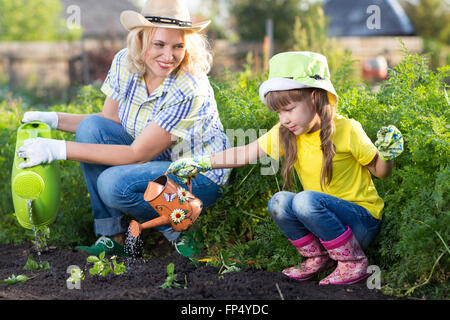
(375, 68)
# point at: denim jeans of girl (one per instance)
(115, 190)
(298, 214)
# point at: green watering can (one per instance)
(38, 185)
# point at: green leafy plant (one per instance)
(16, 279)
(76, 274)
(102, 266)
(171, 280)
(31, 264)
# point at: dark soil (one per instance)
(144, 277)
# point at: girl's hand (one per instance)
(189, 167)
(41, 150)
(50, 118)
(389, 143)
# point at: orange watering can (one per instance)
(176, 206)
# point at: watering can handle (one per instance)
(189, 183)
(32, 133)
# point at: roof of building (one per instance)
(365, 18)
(99, 18)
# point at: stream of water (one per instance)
(132, 248)
(35, 230)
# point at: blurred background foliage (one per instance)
(34, 20)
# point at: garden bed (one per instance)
(145, 276)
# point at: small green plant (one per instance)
(31, 264)
(102, 266)
(227, 265)
(16, 279)
(76, 274)
(171, 280)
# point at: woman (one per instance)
(159, 107)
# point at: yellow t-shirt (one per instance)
(351, 180)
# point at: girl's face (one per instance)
(165, 53)
(299, 118)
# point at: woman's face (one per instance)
(299, 117)
(165, 52)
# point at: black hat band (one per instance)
(170, 21)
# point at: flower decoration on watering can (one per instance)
(178, 215)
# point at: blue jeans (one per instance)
(115, 190)
(325, 216)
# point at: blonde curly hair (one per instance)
(197, 60)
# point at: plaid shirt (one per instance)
(183, 104)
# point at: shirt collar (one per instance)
(162, 89)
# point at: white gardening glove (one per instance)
(48, 117)
(41, 150)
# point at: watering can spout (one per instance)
(135, 228)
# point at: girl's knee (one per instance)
(279, 203)
(305, 203)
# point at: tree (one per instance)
(431, 19)
(310, 33)
(33, 20)
(250, 18)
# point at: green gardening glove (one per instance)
(186, 168)
(389, 142)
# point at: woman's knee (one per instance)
(88, 129)
(109, 188)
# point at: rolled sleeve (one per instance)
(270, 143)
(113, 86)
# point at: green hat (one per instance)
(296, 70)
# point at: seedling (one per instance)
(171, 280)
(31, 264)
(76, 274)
(14, 280)
(102, 266)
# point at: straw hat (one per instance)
(164, 14)
(297, 70)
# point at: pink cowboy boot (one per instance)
(318, 259)
(352, 262)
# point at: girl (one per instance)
(338, 214)
(158, 100)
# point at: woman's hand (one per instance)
(389, 143)
(189, 167)
(41, 150)
(50, 118)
